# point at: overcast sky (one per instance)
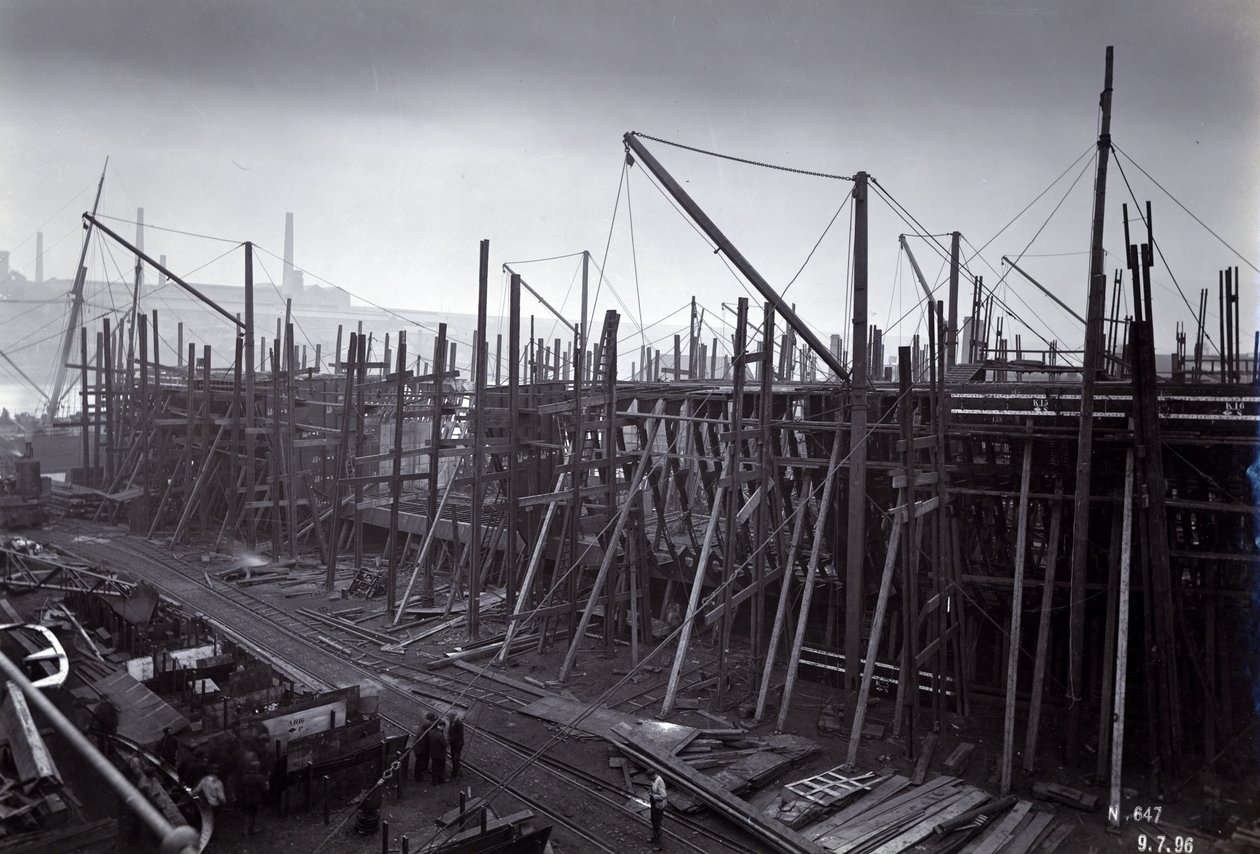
(401, 134)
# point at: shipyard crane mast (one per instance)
(76, 306)
(724, 245)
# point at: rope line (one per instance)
(1142, 218)
(1241, 257)
(744, 160)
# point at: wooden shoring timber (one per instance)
(1016, 623)
(807, 592)
(515, 621)
(514, 441)
(855, 542)
(872, 643)
(693, 604)
(437, 431)
(908, 681)
(395, 485)
(659, 473)
(196, 497)
(785, 590)
(734, 496)
(908, 676)
(1109, 644)
(275, 454)
(339, 466)
(1043, 629)
(610, 552)
(1122, 643)
(765, 403)
(290, 433)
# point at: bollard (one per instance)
(398, 777)
(485, 818)
(324, 795)
(405, 845)
(384, 837)
(463, 804)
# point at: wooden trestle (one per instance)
(595, 502)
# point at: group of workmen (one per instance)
(440, 737)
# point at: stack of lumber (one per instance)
(77, 502)
(942, 815)
(639, 746)
(1246, 836)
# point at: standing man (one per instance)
(437, 752)
(251, 792)
(455, 733)
(105, 722)
(421, 750)
(657, 800)
(168, 748)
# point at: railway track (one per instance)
(418, 685)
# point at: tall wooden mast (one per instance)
(1085, 441)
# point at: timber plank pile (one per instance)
(942, 815)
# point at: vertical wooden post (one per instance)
(435, 458)
(855, 541)
(289, 456)
(765, 464)
(1043, 628)
(395, 481)
(951, 330)
(693, 603)
(99, 408)
(908, 681)
(1109, 646)
(84, 425)
(514, 441)
(339, 469)
(108, 360)
(1085, 441)
(693, 331)
(811, 572)
(609, 357)
(473, 614)
(877, 627)
(1122, 645)
(361, 368)
(1017, 611)
(734, 496)
(277, 455)
(233, 514)
(785, 590)
(251, 467)
(190, 416)
(619, 525)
